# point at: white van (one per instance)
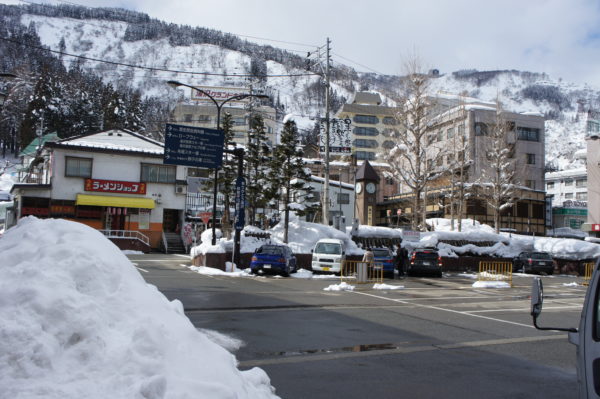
(586, 338)
(328, 255)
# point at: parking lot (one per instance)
(432, 337)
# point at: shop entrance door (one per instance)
(170, 220)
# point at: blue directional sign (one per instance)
(193, 146)
(240, 200)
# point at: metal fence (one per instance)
(495, 271)
(131, 234)
(589, 270)
(362, 272)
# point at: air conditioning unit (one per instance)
(180, 189)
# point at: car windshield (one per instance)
(426, 255)
(381, 253)
(541, 255)
(328, 248)
(270, 250)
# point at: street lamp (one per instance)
(219, 105)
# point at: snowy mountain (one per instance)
(205, 57)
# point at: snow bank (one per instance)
(78, 321)
(387, 287)
(343, 286)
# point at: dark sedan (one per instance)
(273, 258)
(533, 262)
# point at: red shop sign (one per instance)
(114, 186)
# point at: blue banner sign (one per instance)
(240, 200)
(193, 146)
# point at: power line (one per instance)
(147, 67)
(359, 64)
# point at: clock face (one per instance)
(370, 188)
(358, 188)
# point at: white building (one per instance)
(567, 185)
(341, 201)
(114, 181)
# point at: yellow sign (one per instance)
(370, 216)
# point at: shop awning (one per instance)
(106, 200)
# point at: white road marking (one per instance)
(444, 309)
(142, 270)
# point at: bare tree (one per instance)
(496, 184)
(414, 158)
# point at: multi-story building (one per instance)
(114, 181)
(205, 115)
(459, 130)
(593, 173)
(568, 192)
(372, 124)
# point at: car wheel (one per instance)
(286, 271)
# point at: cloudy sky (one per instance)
(559, 37)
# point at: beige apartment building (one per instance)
(205, 115)
(372, 124)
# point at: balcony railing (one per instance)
(26, 177)
(131, 234)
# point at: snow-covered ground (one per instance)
(78, 321)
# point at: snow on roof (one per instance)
(582, 172)
(119, 140)
(78, 320)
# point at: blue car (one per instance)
(273, 258)
(385, 257)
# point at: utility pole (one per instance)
(327, 136)
(325, 69)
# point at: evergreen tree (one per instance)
(289, 175)
(256, 155)
(228, 172)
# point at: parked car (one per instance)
(273, 258)
(533, 262)
(328, 255)
(426, 261)
(385, 257)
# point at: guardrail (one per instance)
(362, 272)
(495, 271)
(131, 234)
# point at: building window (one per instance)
(440, 135)
(450, 159)
(568, 195)
(365, 155)
(364, 143)
(388, 120)
(461, 130)
(439, 161)
(198, 172)
(581, 183)
(365, 131)
(569, 182)
(78, 167)
(581, 196)
(450, 133)
(389, 181)
(238, 121)
(550, 185)
(343, 198)
(370, 119)
(528, 134)
(187, 117)
(530, 184)
(530, 159)
(204, 118)
(153, 173)
(481, 129)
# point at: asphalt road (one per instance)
(433, 338)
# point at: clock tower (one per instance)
(366, 193)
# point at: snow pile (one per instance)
(387, 287)
(343, 286)
(78, 321)
(211, 271)
(491, 284)
(307, 274)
